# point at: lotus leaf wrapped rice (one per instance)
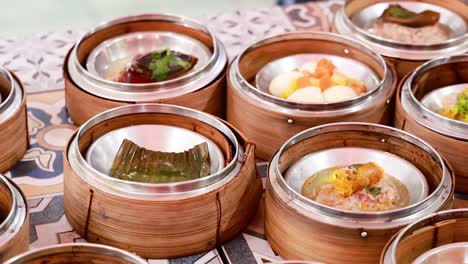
(134, 163)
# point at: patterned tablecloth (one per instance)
(37, 60)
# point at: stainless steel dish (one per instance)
(434, 99)
(357, 25)
(423, 203)
(448, 253)
(94, 172)
(154, 137)
(418, 97)
(350, 67)
(11, 93)
(378, 87)
(77, 253)
(123, 49)
(212, 64)
(392, 164)
(11, 223)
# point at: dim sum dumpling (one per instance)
(284, 84)
(339, 93)
(309, 67)
(309, 94)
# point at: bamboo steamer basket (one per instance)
(14, 220)
(13, 120)
(160, 220)
(269, 121)
(355, 15)
(436, 239)
(77, 253)
(300, 228)
(88, 91)
(449, 137)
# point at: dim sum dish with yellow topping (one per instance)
(350, 186)
(317, 81)
(456, 106)
(358, 187)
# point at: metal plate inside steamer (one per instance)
(349, 67)
(393, 165)
(454, 23)
(118, 52)
(434, 100)
(450, 253)
(165, 138)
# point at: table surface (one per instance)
(37, 60)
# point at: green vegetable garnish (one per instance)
(460, 110)
(462, 105)
(162, 62)
(400, 12)
(373, 190)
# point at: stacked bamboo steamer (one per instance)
(14, 220)
(356, 16)
(89, 91)
(300, 228)
(269, 121)
(436, 239)
(77, 253)
(159, 220)
(14, 137)
(426, 88)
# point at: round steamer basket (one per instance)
(89, 90)
(77, 253)
(14, 220)
(356, 16)
(428, 85)
(13, 120)
(436, 239)
(300, 228)
(269, 121)
(159, 220)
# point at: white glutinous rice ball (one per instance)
(283, 82)
(309, 94)
(309, 67)
(339, 93)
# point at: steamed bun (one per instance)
(284, 84)
(339, 93)
(309, 94)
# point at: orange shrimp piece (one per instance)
(324, 69)
(358, 86)
(302, 82)
(326, 64)
(325, 83)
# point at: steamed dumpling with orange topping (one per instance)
(339, 93)
(284, 84)
(312, 95)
